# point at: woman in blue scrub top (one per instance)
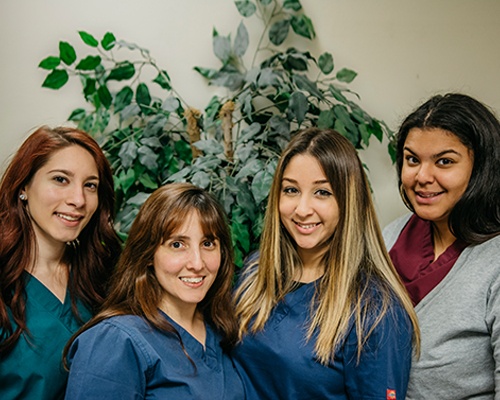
(165, 330)
(322, 312)
(57, 250)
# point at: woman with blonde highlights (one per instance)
(322, 312)
(57, 251)
(165, 329)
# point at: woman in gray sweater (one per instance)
(447, 251)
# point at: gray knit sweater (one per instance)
(460, 326)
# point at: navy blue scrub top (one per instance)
(278, 363)
(124, 358)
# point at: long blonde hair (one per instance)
(356, 258)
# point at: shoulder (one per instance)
(394, 228)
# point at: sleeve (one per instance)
(383, 369)
(493, 322)
(106, 363)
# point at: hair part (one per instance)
(476, 216)
(355, 259)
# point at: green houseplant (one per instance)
(232, 146)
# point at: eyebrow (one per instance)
(438, 155)
(69, 173)
(320, 182)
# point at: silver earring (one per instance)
(74, 244)
(23, 197)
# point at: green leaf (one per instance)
(261, 185)
(148, 158)
(265, 2)
(208, 73)
(279, 31)
(249, 132)
(126, 179)
(104, 96)
(304, 83)
(152, 142)
(337, 94)
(163, 80)
(231, 80)
(122, 71)
(222, 48)
(142, 95)
(88, 39)
(292, 5)
(50, 62)
(123, 98)
(131, 110)
(77, 114)
(128, 153)
(201, 179)
(67, 53)
(171, 104)
(251, 168)
(325, 63)
(241, 41)
(108, 41)
(155, 126)
(89, 63)
(326, 119)
(346, 75)
(303, 26)
(56, 79)
(148, 182)
(298, 106)
(239, 233)
(89, 87)
(209, 146)
(365, 134)
(246, 8)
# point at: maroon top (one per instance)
(413, 257)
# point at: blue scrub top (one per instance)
(278, 363)
(33, 370)
(124, 357)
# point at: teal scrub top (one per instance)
(33, 369)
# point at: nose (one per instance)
(76, 196)
(303, 208)
(424, 174)
(195, 261)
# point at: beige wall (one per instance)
(403, 50)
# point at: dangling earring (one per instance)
(402, 193)
(23, 197)
(74, 243)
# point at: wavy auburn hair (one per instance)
(91, 263)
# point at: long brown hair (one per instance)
(356, 258)
(135, 290)
(91, 263)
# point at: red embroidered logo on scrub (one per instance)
(391, 394)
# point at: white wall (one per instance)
(403, 50)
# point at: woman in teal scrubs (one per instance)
(165, 330)
(57, 250)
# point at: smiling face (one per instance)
(62, 196)
(186, 266)
(308, 209)
(436, 170)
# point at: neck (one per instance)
(312, 268)
(189, 318)
(442, 236)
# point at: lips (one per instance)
(68, 217)
(193, 280)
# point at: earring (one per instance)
(23, 197)
(74, 244)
